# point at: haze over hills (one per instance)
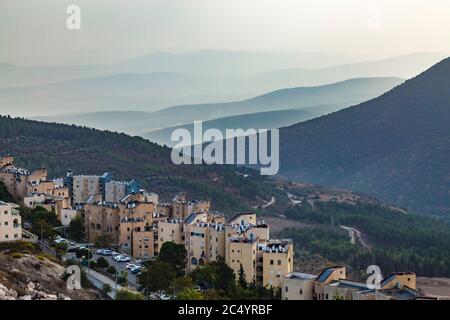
(260, 120)
(135, 86)
(326, 98)
(395, 147)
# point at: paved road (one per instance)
(356, 234)
(120, 266)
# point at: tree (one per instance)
(111, 270)
(102, 263)
(76, 229)
(104, 241)
(215, 275)
(106, 289)
(156, 277)
(190, 294)
(124, 294)
(180, 284)
(175, 255)
(241, 280)
(122, 278)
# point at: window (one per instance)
(271, 262)
(326, 296)
(301, 292)
(286, 289)
(279, 262)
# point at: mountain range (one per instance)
(395, 147)
(317, 100)
(138, 84)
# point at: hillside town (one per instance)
(138, 224)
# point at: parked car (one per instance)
(99, 251)
(122, 258)
(136, 269)
(130, 266)
(107, 252)
(115, 253)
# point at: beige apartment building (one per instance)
(276, 257)
(17, 180)
(10, 223)
(136, 230)
(331, 284)
(298, 286)
(101, 219)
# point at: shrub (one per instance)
(102, 263)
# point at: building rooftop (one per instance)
(300, 276)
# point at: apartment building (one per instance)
(101, 219)
(298, 286)
(115, 191)
(10, 222)
(17, 180)
(274, 260)
(331, 284)
(204, 235)
(136, 230)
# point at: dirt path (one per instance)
(357, 235)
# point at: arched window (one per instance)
(201, 261)
(194, 261)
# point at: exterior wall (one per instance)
(216, 243)
(170, 232)
(297, 289)
(67, 215)
(143, 244)
(34, 201)
(402, 279)
(319, 287)
(245, 218)
(115, 191)
(335, 292)
(85, 186)
(242, 252)
(10, 223)
(276, 265)
(44, 187)
(6, 161)
(135, 220)
(100, 220)
(196, 246)
(38, 176)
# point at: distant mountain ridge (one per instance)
(37, 91)
(326, 98)
(395, 147)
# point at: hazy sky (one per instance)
(114, 29)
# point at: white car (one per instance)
(115, 253)
(99, 251)
(121, 258)
(130, 266)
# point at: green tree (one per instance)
(102, 263)
(190, 294)
(124, 294)
(241, 280)
(76, 229)
(156, 277)
(106, 289)
(175, 255)
(104, 241)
